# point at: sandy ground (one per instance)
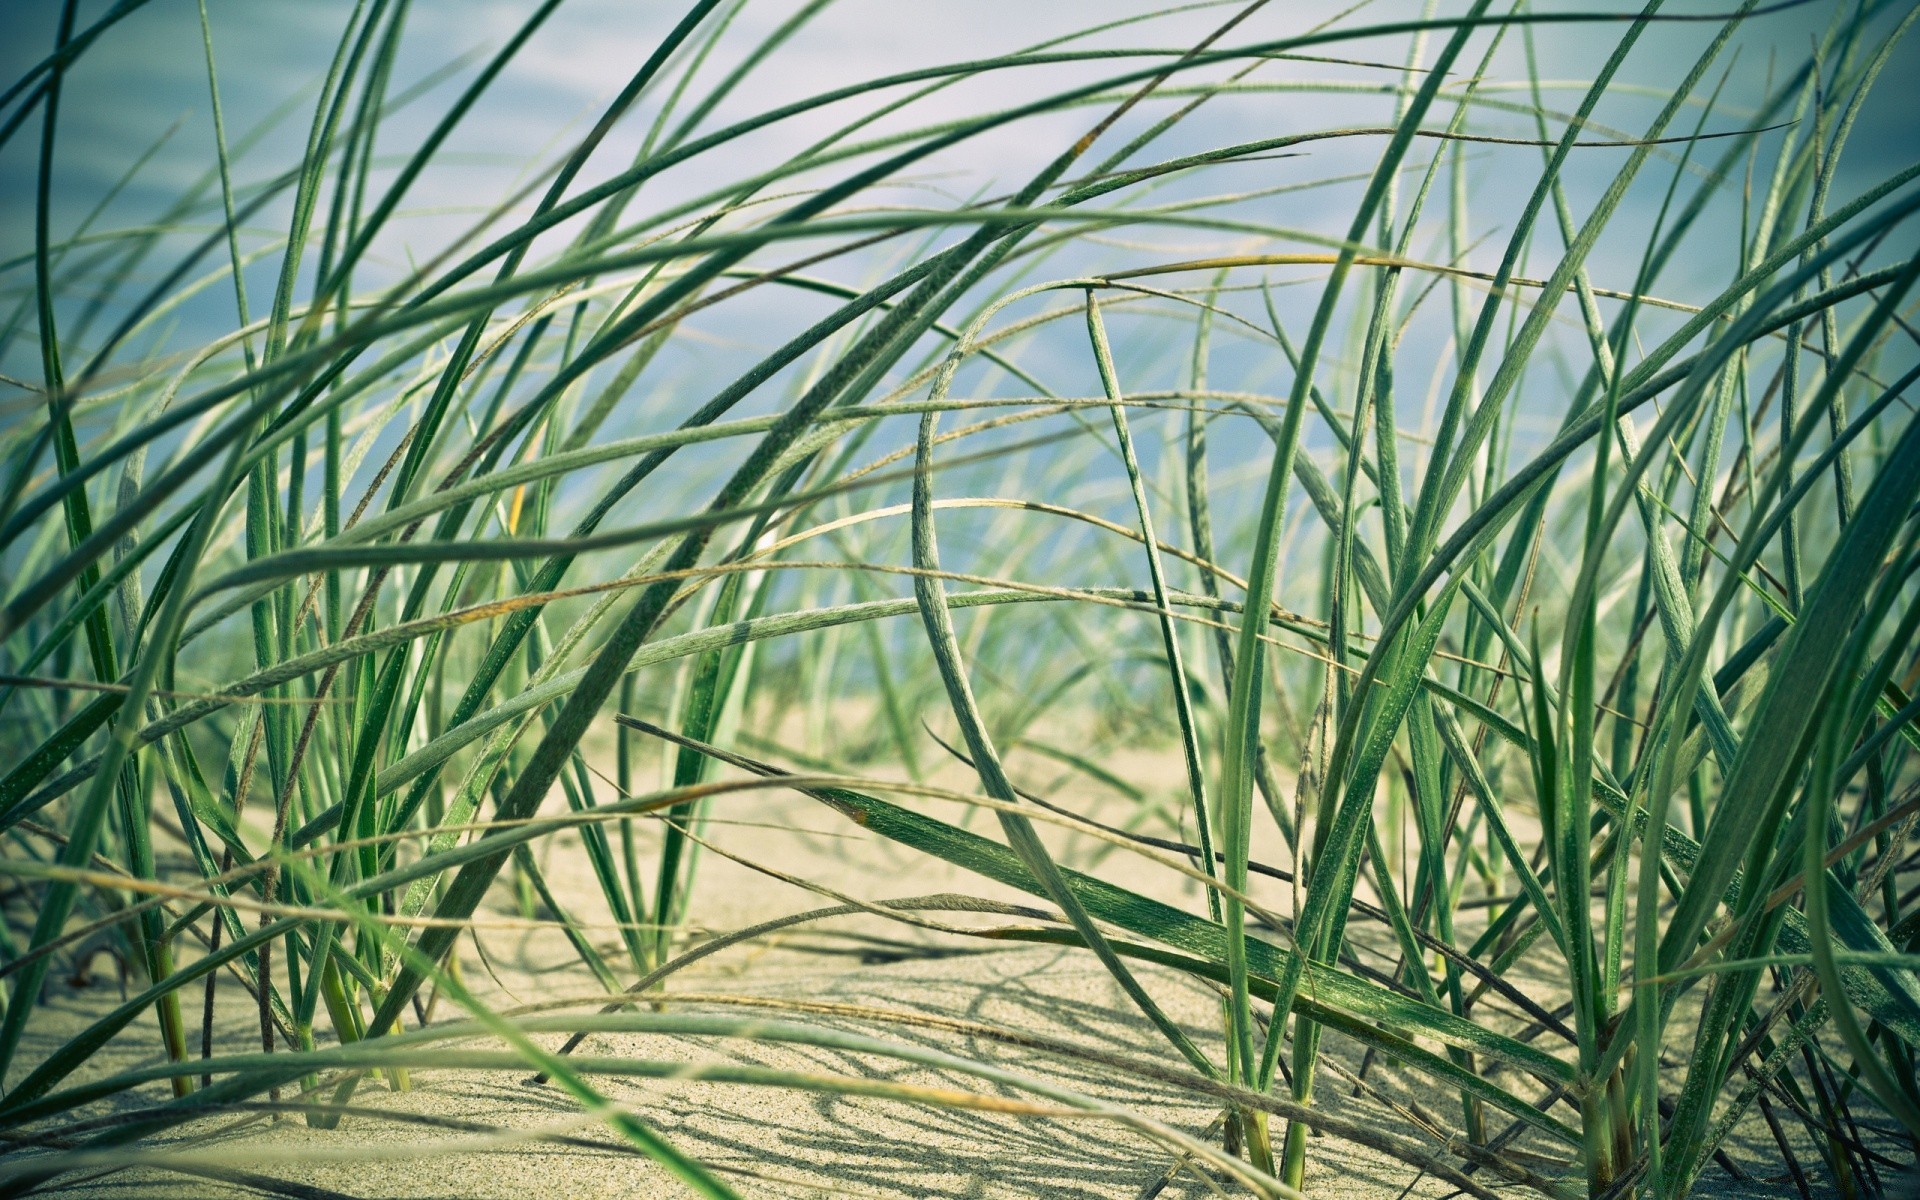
(492, 1134)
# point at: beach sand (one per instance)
(483, 1134)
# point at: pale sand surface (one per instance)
(776, 1141)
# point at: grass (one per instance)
(1542, 597)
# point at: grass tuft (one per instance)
(1482, 434)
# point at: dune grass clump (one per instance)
(1493, 496)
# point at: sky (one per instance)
(147, 81)
(143, 91)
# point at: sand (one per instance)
(480, 1134)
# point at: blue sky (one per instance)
(145, 84)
